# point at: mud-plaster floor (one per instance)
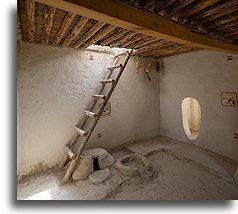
(183, 172)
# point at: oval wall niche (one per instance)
(191, 116)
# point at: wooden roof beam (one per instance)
(134, 40)
(48, 21)
(208, 15)
(124, 16)
(114, 37)
(169, 49)
(175, 9)
(143, 42)
(221, 20)
(94, 29)
(177, 52)
(123, 39)
(69, 17)
(99, 35)
(164, 47)
(161, 9)
(152, 46)
(75, 31)
(196, 7)
(225, 24)
(19, 31)
(231, 35)
(156, 5)
(30, 12)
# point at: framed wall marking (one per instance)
(229, 99)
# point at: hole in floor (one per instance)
(95, 164)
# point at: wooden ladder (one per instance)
(79, 127)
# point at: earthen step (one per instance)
(81, 132)
(107, 81)
(100, 96)
(121, 54)
(90, 114)
(114, 66)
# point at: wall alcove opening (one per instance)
(191, 117)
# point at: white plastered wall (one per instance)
(202, 75)
(55, 85)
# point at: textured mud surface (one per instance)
(177, 176)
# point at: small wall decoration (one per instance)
(229, 99)
(107, 109)
(90, 57)
(138, 66)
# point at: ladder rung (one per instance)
(101, 96)
(121, 54)
(70, 153)
(107, 81)
(90, 114)
(81, 132)
(114, 66)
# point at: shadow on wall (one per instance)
(191, 117)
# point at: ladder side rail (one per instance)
(85, 140)
(81, 123)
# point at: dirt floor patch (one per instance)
(178, 175)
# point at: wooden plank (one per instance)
(129, 18)
(94, 29)
(114, 37)
(75, 31)
(63, 28)
(99, 35)
(48, 21)
(30, 6)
